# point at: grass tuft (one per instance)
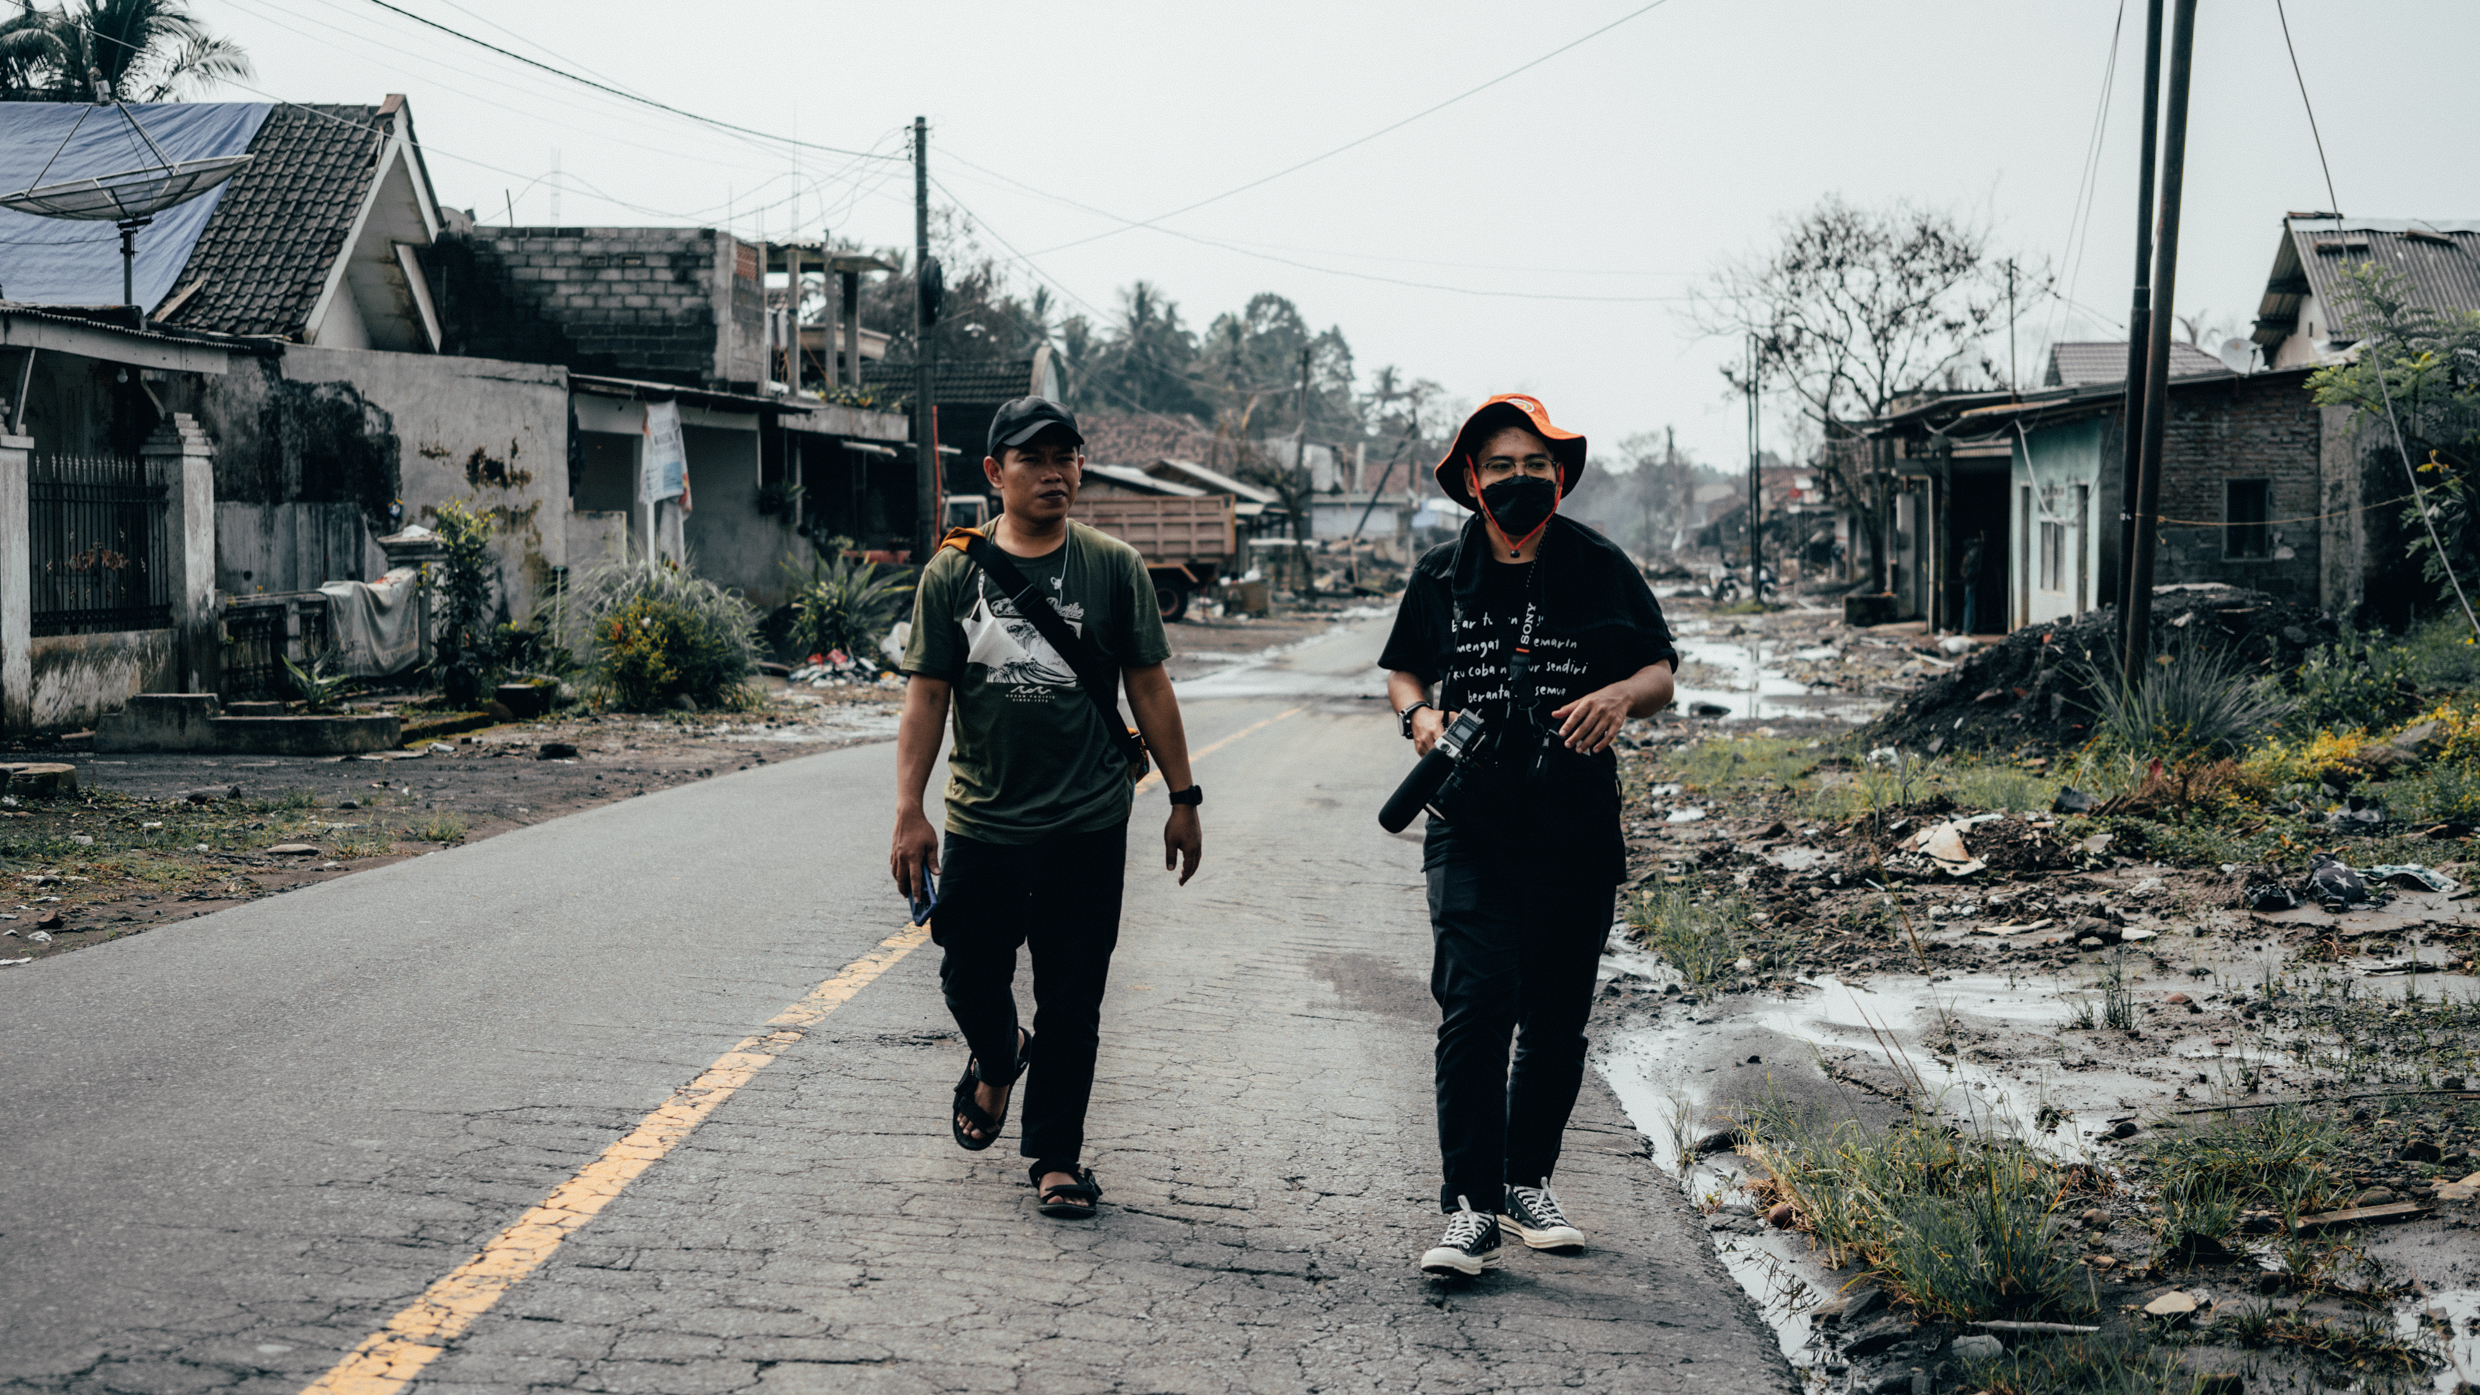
(1695, 937)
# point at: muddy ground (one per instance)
(2089, 984)
(157, 838)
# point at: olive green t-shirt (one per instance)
(1032, 756)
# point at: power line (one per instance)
(584, 81)
(1204, 241)
(1364, 140)
(2302, 78)
(2079, 226)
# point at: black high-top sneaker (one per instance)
(1534, 1215)
(1470, 1246)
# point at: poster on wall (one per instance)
(666, 472)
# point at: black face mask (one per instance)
(1521, 506)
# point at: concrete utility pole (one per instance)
(1303, 527)
(1756, 554)
(2136, 645)
(1685, 480)
(925, 419)
(2139, 318)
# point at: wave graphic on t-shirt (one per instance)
(1012, 650)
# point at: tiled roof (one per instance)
(2438, 262)
(2085, 363)
(266, 253)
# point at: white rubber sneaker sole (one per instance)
(1447, 1260)
(1557, 1237)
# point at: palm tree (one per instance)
(137, 51)
(29, 53)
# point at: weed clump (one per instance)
(844, 604)
(2096, 1365)
(1695, 937)
(1956, 1224)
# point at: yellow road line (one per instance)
(389, 1359)
(1154, 777)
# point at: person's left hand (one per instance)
(1184, 841)
(1592, 722)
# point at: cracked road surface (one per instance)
(235, 1147)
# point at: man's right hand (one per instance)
(916, 848)
(1428, 725)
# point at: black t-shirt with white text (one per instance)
(1597, 624)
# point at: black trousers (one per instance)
(1518, 943)
(1059, 899)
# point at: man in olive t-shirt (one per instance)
(1038, 794)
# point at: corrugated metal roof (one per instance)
(2086, 363)
(958, 381)
(2439, 262)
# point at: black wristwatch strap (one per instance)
(1193, 795)
(1403, 719)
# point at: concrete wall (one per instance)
(320, 442)
(729, 541)
(78, 678)
(2061, 465)
(665, 304)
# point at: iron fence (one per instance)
(102, 557)
(260, 633)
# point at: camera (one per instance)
(1440, 778)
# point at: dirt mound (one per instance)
(2027, 692)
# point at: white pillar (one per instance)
(16, 588)
(180, 456)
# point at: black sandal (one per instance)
(1073, 1201)
(966, 1114)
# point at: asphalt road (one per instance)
(233, 1149)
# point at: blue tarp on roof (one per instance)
(56, 261)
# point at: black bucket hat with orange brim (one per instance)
(1523, 412)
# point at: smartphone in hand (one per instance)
(925, 897)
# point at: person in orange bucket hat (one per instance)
(1546, 631)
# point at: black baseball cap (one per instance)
(1027, 417)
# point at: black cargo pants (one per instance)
(1518, 942)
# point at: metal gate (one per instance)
(102, 560)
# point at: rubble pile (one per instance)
(2028, 692)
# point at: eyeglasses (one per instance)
(1506, 465)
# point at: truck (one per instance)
(1187, 542)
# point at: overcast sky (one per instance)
(1585, 195)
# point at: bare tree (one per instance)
(1855, 308)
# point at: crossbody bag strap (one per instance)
(1093, 670)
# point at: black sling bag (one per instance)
(1094, 672)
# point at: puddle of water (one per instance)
(2460, 1307)
(836, 727)
(1757, 691)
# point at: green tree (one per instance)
(2416, 370)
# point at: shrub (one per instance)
(466, 655)
(2352, 685)
(846, 604)
(659, 634)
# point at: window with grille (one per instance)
(2247, 507)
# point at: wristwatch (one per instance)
(1404, 718)
(1193, 795)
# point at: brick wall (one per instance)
(665, 304)
(2263, 427)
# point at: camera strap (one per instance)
(1093, 670)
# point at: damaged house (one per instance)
(343, 356)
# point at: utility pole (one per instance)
(1685, 480)
(925, 419)
(2139, 320)
(1756, 555)
(2012, 380)
(2136, 644)
(1301, 527)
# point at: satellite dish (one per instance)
(129, 198)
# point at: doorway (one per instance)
(1980, 557)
